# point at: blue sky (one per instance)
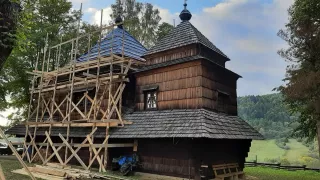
(245, 30)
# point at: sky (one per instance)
(245, 30)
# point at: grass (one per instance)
(265, 149)
(260, 173)
(274, 174)
(297, 150)
(8, 165)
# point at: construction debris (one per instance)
(58, 172)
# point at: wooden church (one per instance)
(180, 103)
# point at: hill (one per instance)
(267, 114)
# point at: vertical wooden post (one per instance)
(317, 105)
(2, 177)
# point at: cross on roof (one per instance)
(185, 4)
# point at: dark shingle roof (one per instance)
(184, 123)
(184, 34)
(179, 61)
(132, 47)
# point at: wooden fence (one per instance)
(279, 166)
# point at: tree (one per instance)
(163, 30)
(140, 19)
(9, 12)
(302, 88)
(39, 18)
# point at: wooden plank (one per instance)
(83, 142)
(46, 170)
(56, 165)
(135, 145)
(38, 175)
(96, 154)
(2, 177)
(55, 151)
(114, 145)
(73, 152)
(101, 124)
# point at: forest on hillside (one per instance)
(269, 115)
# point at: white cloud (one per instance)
(3, 116)
(167, 16)
(91, 10)
(106, 19)
(245, 30)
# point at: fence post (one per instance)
(304, 167)
(279, 164)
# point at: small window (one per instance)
(150, 100)
(223, 101)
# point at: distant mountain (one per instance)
(268, 114)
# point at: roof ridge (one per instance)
(200, 36)
(182, 35)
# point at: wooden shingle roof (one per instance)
(178, 123)
(184, 34)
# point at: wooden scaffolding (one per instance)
(100, 81)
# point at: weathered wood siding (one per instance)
(177, 53)
(189, 85)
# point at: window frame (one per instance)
(223, 101)
(154, 92)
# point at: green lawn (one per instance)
(297, 150)
(273, 174)
(8, 165)
(265, 149)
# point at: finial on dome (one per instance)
(185, 14)
(119, 20)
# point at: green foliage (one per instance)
(267, 114)
(302, 88)
(164, 29)
(140, 19)
(264, 173)
(9, 15)
(285, 162)
(39, 18)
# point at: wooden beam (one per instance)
(73, 152)
(16, 154)
(61, 124)
(55, 151)
(87, 145)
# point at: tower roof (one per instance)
(116, 40)
(184, 34)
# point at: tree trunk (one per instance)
(318, 123)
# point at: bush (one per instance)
(271, 160)
(285, 162)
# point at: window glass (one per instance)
(151, 100)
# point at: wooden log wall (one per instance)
(214, 56)
(166, 156)
(189, 85)
(179, 86)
